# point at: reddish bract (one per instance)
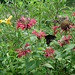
(25, 23)
(65, 40)
(23, 52)
(39, 35)
(73, 49)
(73, 14)
(49, 52)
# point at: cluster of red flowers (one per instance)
(25, 23)
(65, 40)
(28, 23)
(49, 52)
(39, 35)
(23, 52)
(70, 26)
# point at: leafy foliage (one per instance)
(35, 62)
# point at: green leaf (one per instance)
(40, 48)
(9, 73)
(70, 46)
(48, 65)
(68, 57)
(30, 65)
(33, 38)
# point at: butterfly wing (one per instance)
(49, 38)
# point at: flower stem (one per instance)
(28, 33)
(39, 13)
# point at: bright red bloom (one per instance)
(39, 35)
(65, 25)
(73, 49)
(25, 23)
(33, 21)
(22, 52)
(73, 14)
(49, 52)
(34, 32)
(65, 40)
(70, 26)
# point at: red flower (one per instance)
(62, 29)
(65, 40)
(73, 49)
(22, 52)
(73, 14)
(39, 35)
(65, 25)
(33, 21)
(49, 52)
(25, 23)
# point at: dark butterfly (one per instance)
(49, 38)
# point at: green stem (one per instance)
(39, 13)
(15, 8)
(28, 33)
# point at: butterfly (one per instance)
(49, 38)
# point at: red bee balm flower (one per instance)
(25, 23)
(23, 51)
(39, 35)
(49, 52)
(65, 40)
(65, 25)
